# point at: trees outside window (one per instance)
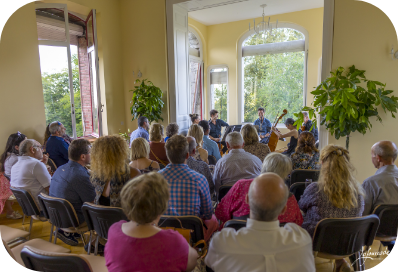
(273, 81)
(219, 91)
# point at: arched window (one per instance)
(273, 72)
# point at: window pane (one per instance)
(219, 91)
(195, 88)
(278, 35)
(94, 92)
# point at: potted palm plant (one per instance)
(346, 102)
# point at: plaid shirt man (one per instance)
(189, 192)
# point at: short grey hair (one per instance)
(54, 127)
(305, 113)
(277, 163)
(267, 213)
(25, 145)
(191, 144)
(234, 139)
(385, 150)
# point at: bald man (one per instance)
(263, 245)
(382, 187)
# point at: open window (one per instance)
(218, 86)
(69, 67)
(195, 74)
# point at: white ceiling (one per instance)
(212, 12)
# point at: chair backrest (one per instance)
(52, 164)
(101, 218)
(59, 211)
(222, 191)
(298, 188)
(212, 160)
(388, 215)
(235, 224)
(188, 222)
(26, 201)
(345, 236)
(8, 249)
(300, 175)
(38, 260)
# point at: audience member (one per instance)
(11, 152)
(234, 206)
(139, 156)
(56, 146)
(209, 145)
(237, 164)
(29, 173)
(199, 166)
(263, 245)
(336, 194)
(189, 190)
(47, 135)
(215, 128)
(306, 155)
(171, 130)
(109, 169)
(158, 151)
(196, 131)
(194, 118)
(140, 245)
(252, 143)
(72, 182)
(5, 199)
(308, 124)
(141, 131)
(293, 134)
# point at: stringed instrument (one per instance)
(273, 138)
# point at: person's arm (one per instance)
(84, 188)
(217, 177)
(369, 193)
(216, 152)
(209, 178)
(64, 150)
(192, 259)
(214, 139)
(280, 135)
(223, 123)
(206, 207)
(41, 174)
(309, 197)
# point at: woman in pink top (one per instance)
(139, 245)
(234, 205)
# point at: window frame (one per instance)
(208, 85)
(240, 70)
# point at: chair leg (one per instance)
(51, 233)
(30, 227)
(89, 243)
(55, 235)
(359, 265)
(83, 240)
(96, 246)
(378, 253)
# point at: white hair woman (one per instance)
(234, 205)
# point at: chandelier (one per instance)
(264, 27)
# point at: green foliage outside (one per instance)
(220, 101)
(273, 81)
(57, 98)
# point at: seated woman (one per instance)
(234, 205)
(171, 130)
(109, 169)
(337, 194)
(306, 155)
(156, 143)
(139, 156)
(196, 131)
(252, 143)
(194, 118)
(140, 245)
(293, 134)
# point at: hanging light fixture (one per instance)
(263, 27)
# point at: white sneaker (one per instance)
(14, 215)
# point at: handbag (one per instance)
(159, 160)
(186, 233)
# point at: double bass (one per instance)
(273, 138)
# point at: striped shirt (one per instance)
(189, 192)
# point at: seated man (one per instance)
(72, 182)
(263, 245)
(189, 190)
(29, 173)
(56, 146)
(237, 164)
(199, 166)
(141, 131)
(308, 124)
(208, 144)
(264, 126)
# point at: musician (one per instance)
(264, 125)
(293, 134)
(215, 128)
(308, 124)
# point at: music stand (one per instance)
(231, 129)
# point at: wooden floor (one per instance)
(42, 230)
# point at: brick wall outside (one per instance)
(85, 91)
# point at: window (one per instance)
(195, 74)
(219, 91)
(273, 71)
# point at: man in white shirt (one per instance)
(29, 173)
(263, 245)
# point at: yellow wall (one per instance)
(21, 93)
(222, 40)
(367, 45)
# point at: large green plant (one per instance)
(346, 102)
(146, 101)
